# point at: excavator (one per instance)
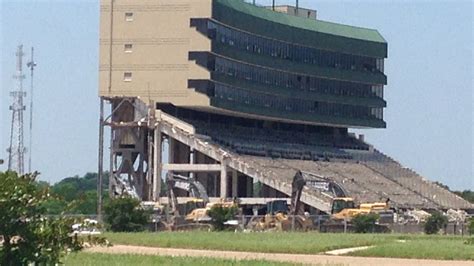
(279, 217)
(196, 209)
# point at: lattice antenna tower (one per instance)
(31, 65)
(17, 149)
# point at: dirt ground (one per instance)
(292, 258)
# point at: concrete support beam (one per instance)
(192, 160)
(157, 164)
(192, 167)
(223, 180)
(235, 183)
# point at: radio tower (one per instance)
(31, 65)
(17, 149)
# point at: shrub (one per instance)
(469, 241)
(220, 214)
(471, 226)
(435, 222)
(365, 223)
(29, 237)
(125, 215)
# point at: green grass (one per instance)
(439, 248)
(386, 245)
(91, 259)
(302, 243)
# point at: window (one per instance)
(129, 16)
(128, 47)
(127, 76)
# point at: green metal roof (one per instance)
(308, 32)
(305, 23)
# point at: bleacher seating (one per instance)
(366, 174)
(279, 143)
(410, 179)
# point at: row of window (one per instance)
(242, 96)
(293, 81)
(302, 54)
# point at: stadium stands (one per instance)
(366, 174)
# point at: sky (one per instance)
(429, 93)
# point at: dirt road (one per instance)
(292, 258)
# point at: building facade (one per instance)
(234, 58)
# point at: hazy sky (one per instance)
(429, 69)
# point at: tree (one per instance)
(220, 214)
(125, 215)
(365, 223)
(29, 236)
(435, 222)
(442, 185)
(76, 194)
(467, 195)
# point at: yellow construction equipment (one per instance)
(196, 209)
(344, 209)
(279, 217)
(201, 214)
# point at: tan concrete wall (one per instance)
(291, 10)
(161, 37)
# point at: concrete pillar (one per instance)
(191, 161)
(157, 164)
(223, 181)
(235, 183)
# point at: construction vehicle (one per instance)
(198, 201)
(196, 209)
(279, 217)
(345, 209)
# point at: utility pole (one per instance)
(16, 151)
(31, 65)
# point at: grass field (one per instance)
(271, 242)
(422, 248)
(90, 259)
(386, 245)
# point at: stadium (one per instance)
(241, 97)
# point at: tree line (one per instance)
(75, 195)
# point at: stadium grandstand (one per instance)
(237, 95)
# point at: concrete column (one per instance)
(191, 161)
(101, 161)
(235, 183)
(157, 164)
(223, 180)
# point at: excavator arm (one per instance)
(194, 187)
(296, 191)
